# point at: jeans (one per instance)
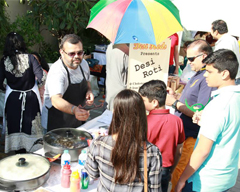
(171, 69)
(188, 187)
(166, 176)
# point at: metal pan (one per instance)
(23, 172)
(57, 140)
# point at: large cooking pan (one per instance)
(57, 140)
(23, 172)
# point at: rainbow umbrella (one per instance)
(135, 21)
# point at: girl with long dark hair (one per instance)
(118, 158)
(22, 101)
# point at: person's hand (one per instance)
(89, 97)
(197, 117)
(176, 71)
(179, 186)
(178, 95)
(81, 114)
(170, 99)
(170, 91)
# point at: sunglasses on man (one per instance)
(72, 54)
(191, 59)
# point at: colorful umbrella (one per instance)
(135, 21)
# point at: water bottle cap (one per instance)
(65, 151)
(83, 151)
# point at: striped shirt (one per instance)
(98, 164)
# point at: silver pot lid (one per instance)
(23, 167)
(67, 138)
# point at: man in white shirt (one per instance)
(219, 31)
(67, 87)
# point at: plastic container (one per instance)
(84, 179)
(65, 158)
(65, 178)
(82, 159)
(75, 182)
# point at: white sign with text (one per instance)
(148, 62)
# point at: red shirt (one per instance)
(166, 132)
(174, 42)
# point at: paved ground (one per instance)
(96, 112)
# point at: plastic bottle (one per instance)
(65, 158)
(65, 178)
(75, 182)
(81, 162)
(82, 159)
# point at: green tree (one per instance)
(61, 17)
(23, 26)
(5, 25)
(32, 36)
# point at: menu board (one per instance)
(148, 62)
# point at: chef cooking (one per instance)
(67, 87)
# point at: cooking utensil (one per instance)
(23, 172)
(57, 140)
(90, 107)
(51, 159)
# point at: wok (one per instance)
(72, 139)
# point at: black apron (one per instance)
(76, 95)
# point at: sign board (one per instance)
(148, 62)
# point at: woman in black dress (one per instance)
(22, 101)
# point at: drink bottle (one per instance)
(65, 158)
(65, 178)
(75, 182)
(84, 179)
(82, 159)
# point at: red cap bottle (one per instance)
(66, 173)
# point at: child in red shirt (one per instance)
(164, 129)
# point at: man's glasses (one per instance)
(191, 59)
(72, 54)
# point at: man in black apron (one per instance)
(64, 111)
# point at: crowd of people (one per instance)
(197, 149)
